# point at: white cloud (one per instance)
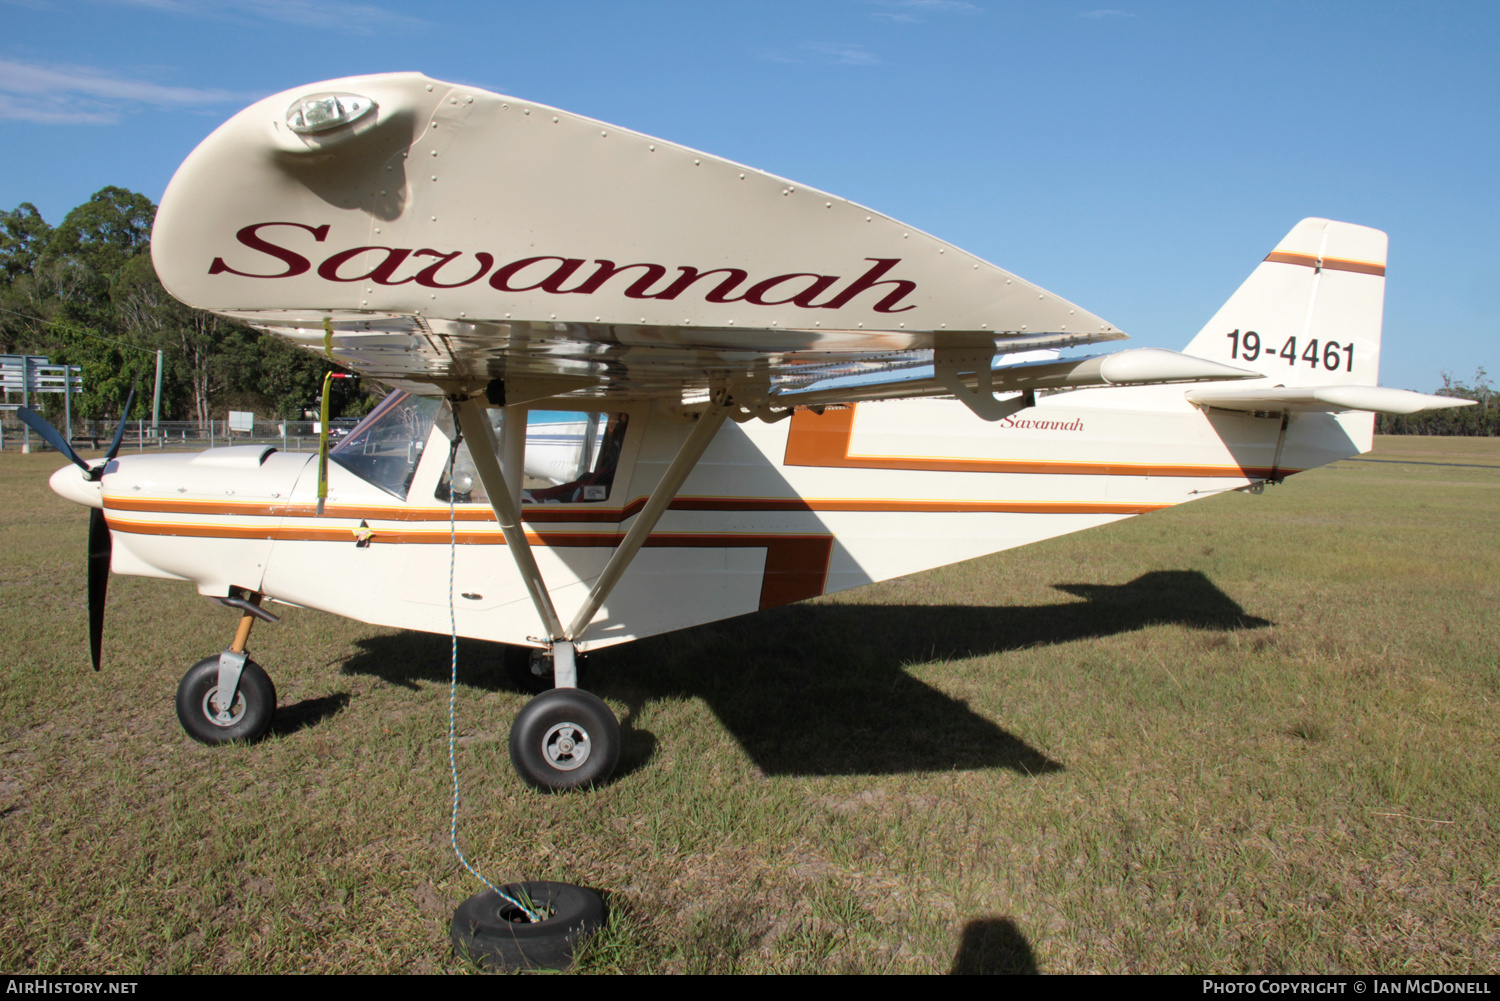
(81, 95)
(360, 18)
(911, 11)
(51, 113)
(841, 55)
(827, 53)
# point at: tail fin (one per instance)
(1310, 313)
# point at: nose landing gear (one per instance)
(210, 719)
(229, 697)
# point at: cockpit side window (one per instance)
(570, 458)
(386, 446)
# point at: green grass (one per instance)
(1248, 734)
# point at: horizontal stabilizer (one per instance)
(1326, 399)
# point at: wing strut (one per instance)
(483, 448)
(513, 451)
(677, 472)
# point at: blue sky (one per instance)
(1138, 159)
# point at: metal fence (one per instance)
(289, 436)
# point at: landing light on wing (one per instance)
(322, 112)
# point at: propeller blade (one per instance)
(51, 436)
(114, 446)
(100, 548)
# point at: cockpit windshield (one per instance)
(387, 445)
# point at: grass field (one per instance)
(1248, 734)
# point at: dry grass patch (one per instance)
(1247, 734)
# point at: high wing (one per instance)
(439, 237)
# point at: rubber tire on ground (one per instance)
(518, 668)
(256, 695)
(538, 726)
(483, 929)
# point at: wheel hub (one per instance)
(217, 716)
(566, 746)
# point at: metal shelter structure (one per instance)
(30, 375)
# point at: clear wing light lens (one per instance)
(322, 112)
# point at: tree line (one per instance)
(85, 293)
(1481, 421)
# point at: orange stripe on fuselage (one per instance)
(472, 513)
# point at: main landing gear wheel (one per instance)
(198, 704)
(564, 739)
(497, 934)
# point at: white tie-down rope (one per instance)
(530, 912)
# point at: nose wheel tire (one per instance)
(564, 739)
(250, 714)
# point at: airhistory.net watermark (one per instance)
(67, 985)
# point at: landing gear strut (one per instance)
(530, 670)
(229, 697)
(567, 738)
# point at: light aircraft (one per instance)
(656, 388)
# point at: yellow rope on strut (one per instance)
(323, 415)
(323, 422)
(323, 444)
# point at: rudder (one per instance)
(1310, 313)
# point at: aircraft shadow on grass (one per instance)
(822, 689)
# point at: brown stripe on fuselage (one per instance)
(1328, 263)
